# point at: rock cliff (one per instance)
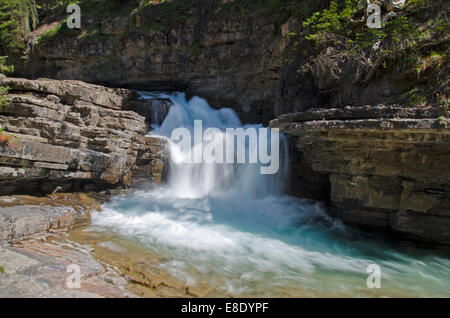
(380, 167)
(205, 48)
(69, 135)
(252, 56)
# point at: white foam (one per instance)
(233, 226)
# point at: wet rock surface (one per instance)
(146, 271)
(378, 167)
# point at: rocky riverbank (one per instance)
(383, 167)
(41, 237)
(39, 269)
(35, 252)
(69, 136)
(60, 136)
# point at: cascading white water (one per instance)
(158, 108)
(232, 227)
(194, 180)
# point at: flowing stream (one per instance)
(234, 228)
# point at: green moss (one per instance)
(195, 51)
(415, 97)
(49, 10)
(2, 270)
(3, 95)
(4, 69)
(59, 31)
(433, 61)
(48, 36)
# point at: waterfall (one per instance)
(195, 180)
(231, 227)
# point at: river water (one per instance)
(233, 228)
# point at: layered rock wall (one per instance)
(377, 166)
(228, 57)
(69, 135)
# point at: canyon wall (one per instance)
(204, 48)
(381, 167)
(68, 136)
(378, 167)
(252, 56)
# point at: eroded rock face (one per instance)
(377, 166)
(231, 59)
(72, 135)
(238, 54)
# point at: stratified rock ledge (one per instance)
(72, 136)
(384, 167)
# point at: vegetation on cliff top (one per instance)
(413, 43)
(4, 69)
(17, 19)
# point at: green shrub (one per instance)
(337, 18)
(4, 69)
(3, 95)
(49, 9)
(17, 18)
(411, 44)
